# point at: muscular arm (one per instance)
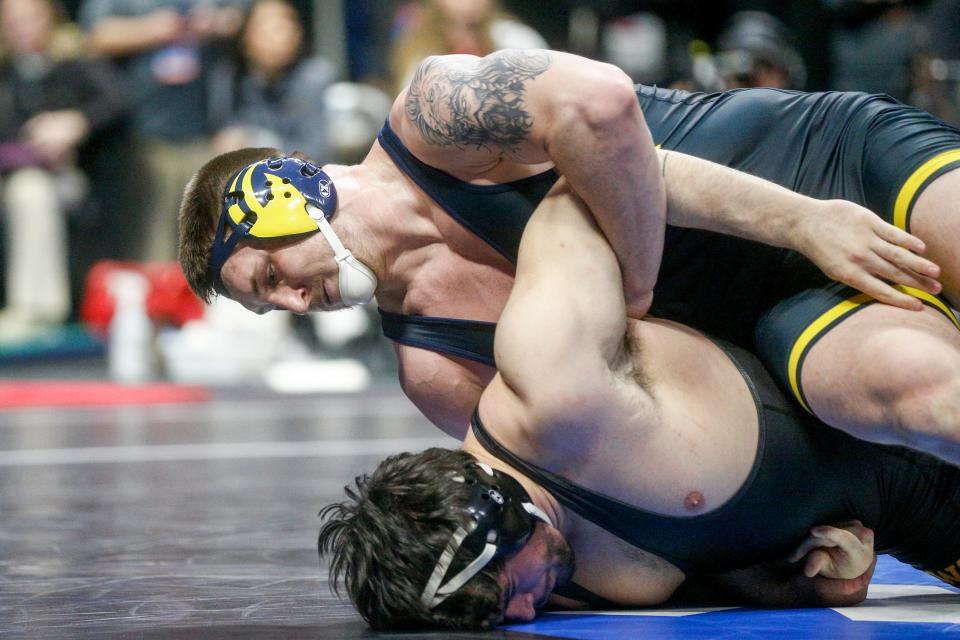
(477, 117)
(445, 389)
(472, 116)
(560, 339)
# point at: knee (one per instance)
(921, 399)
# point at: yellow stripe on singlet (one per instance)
(908, 191)
(950, 575)
(811, 332)
(931, 300)
(841, 309)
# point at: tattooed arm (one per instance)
(488, 118)
(496, 117)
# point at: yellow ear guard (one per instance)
(268, 199)
(282, 197)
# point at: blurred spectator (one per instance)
(874, 42)
(437, 27)
(165, 46)
(757, 50)
(51, 102)
(937, 69)
(638, 44)
(271, 94)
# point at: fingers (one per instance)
(884, 292)
(903, 267)
(817, 561)
(898, 236)
(835, 537)
(897, 276)
(813, 541)
(805, 547)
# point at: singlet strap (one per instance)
(496, 213)
(470, 339)
(612, 515)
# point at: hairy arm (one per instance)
(473, 115)
(848, 242)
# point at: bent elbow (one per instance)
(608, 101)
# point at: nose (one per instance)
(293, 299)
(521, 607)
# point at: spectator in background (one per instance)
(757, 50)
(51, 102)
(271, 94)
(936, 71)
(166, 47)
(438, 27)
(874, 43)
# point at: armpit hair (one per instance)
(628, 361)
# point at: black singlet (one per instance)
(854, 146)
(804, 474)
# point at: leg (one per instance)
(936, 220)
(171, 164)
(888, 375)
(38, 288)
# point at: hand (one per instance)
(842, 552)
(54, 135)
(212, 22)
(164, 26)
(852, 245)
(639, 304)
(229, 139)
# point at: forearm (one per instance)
(705, 195)
(774, 586)
(601, 144)
(123, 36)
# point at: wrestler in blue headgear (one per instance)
(282, 197)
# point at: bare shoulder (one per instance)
(471, 103)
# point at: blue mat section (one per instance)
(903, 604)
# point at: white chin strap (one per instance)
(436, 591)
(358, 283)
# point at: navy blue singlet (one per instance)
(804, 474)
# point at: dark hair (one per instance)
(387, 538)
(200, 210)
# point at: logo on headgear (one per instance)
(325, 189)
(496, 496)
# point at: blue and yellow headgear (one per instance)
(282, 197)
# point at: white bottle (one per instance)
(130, 351)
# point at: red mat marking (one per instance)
(74, 393)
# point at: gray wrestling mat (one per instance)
(200, 521)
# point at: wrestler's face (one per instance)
(545, 562)
(298, 275)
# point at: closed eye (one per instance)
(271, 275)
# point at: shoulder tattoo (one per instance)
(478, 106)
